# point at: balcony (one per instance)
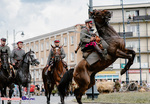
(145, 17)
(130, 48)
(128, 34)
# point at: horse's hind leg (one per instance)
(125, 55)
(78, 95)
(50, 88)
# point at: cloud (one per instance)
(35, 1)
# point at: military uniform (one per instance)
(50, 59)
(17, 56)
(85, 39)
(4, 48)
(51, 55)
(86, 43)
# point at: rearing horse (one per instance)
(57, 70)
(84, 74)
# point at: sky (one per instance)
(37, 17)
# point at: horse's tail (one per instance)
(63, 86)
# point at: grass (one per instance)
(128, 97)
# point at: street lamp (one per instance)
(124, 36)
(15, 33)
(138, 29)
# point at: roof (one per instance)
(126, 6)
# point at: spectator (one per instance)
(42, 90)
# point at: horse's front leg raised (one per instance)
(125, 55)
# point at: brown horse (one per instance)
(84, 74)
(55, 77)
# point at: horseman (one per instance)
(88, 43)
(4, 47)
(17, 55)
(51, 56)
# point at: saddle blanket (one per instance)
(92, 58)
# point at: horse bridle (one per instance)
(6, 57)
(59, 60)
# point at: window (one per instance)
(32, 48)
(27, 49)
(37, 73)
(65, 59)
(137, 59)
(72, 41)
(133, 28)
(132, 44)
(72, 56)
(65, 41)
(47, 45)
(131, 14)
(53, 43)
(32, 73)
(37, 48)
(42, 61)
(42, 47)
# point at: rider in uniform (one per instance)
(88, 43)
(50, 59)
(17, 55)
(4, 47)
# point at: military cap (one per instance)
(56, 41)
(19, 42)
(3, 39)
(89, 21)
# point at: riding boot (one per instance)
(65, 65)
(99, 51)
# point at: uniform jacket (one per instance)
(83, 38)
(17, 54)
(63, 55)
(4, 48)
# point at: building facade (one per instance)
(137, 23)
(41, 45)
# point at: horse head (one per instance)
(4, 59)
(30, 57)
(101, 16)
(57, 53)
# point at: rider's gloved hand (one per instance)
(92, 39)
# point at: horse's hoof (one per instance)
(9, 102)
(122, 71)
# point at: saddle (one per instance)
(17, 64)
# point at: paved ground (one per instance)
(42, 100)
(54, 100)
